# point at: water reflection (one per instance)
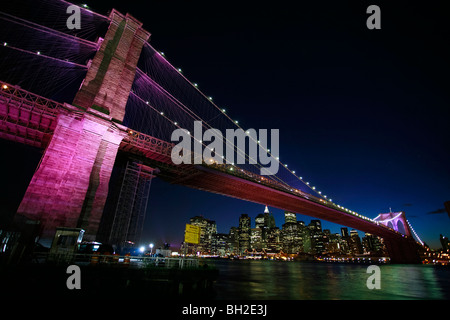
(249, 279)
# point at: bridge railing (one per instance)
(26, 99)
(149, 143)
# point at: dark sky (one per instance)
(364, 114)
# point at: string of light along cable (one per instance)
(210, 101)
(194, 116)
(236, 123)
(40, 54)
(40, 28)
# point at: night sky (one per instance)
(364, 114)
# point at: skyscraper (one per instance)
(244, 233)
(259, 221)
(290, 217)
(317, 246)
(256, 239)
(219, 244)
(355, 242)
(233, 241)
(291, 234)
(372, 244)
(208, 229)
(344, 232)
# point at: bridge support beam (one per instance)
(403, 251)
(70, 187)
(71, 184)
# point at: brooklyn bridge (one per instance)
(101, 96)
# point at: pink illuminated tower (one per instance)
(70, 186)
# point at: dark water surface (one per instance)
(273, 280)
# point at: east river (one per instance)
(280, 280)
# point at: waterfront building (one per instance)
(232, 241)
(259, 221)
(306, 236)
(333, 243)
(355, 243)
(208, 229)
(317, 246)
(219, 244)
(244, 231)
(291, 234)
(373, 245)
(290, 217)
(256, 239)
(344, 232)
(274, 240)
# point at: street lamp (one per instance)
(151, 247)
